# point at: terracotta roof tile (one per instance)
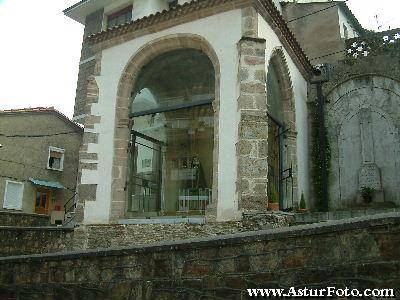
(196, 5)
(40, 109)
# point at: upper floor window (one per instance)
(13, 195)
(172, 3)
(56, 159)
(120, 17)
(345, 31)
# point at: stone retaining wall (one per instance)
(34, 240)
(23, 219)
(358, 253)
(106, 236)
(31, 240)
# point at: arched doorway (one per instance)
(282, 163)
(172, 139)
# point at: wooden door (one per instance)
(42, 201)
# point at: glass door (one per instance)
(145, 188)
(42, 201)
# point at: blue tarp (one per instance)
(50, 184)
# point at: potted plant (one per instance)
(273, 199)
(303, 206)
(367, 193)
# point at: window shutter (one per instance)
(13, 195)
(55, 154)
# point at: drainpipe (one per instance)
(321, 75)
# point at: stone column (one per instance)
(253, 127)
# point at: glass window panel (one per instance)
(111, 22)
(185, 161)
(178, 77)
(37, 203)
(121, 19)
(44, 199)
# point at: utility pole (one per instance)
(322, 76)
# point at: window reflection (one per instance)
(172, 161)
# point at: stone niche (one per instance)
(363, 121)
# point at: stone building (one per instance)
(186, 102)
(183, 119)
(38, 161)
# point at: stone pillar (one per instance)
(253, 126)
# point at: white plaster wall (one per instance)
(114, 61)
(300, 94)
(278, 4)
(343, 20)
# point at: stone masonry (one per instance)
(253, 127)
(359, 253)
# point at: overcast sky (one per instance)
(40, 49)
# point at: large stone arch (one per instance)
(123, 124)
(278, 60)
(366, 103)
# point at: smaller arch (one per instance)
(278, 64)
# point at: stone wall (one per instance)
(18, 219)
(359, 253)
(362, 119)
(30, 240)
(33, 240)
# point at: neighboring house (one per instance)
(38, 161)
(182, 102)
(321, 27)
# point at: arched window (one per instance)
(172, 136)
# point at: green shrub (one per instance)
(366, 193)
(273, 196)
(303, 202)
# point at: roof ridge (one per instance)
(39, 109)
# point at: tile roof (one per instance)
(39, 109)
(198, 5)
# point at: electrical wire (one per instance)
(37, 135)
(315, 12)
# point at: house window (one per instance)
(172, 3)
(120, 17)
(56, 159)
(346, 32)
(13, 195)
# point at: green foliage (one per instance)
(273, 196)
(317, 163)
(366, 193)
(303, 202)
